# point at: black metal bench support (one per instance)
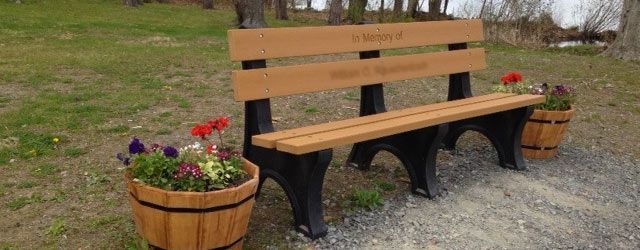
(300, 176)
(503, 129)
(416, 150)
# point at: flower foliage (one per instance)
(557, 98)
(195, 167)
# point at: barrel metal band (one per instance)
(192, 210)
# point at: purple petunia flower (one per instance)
(558, 90)
(123, 159)
(561, 90)
(170, 151)
(136, 147)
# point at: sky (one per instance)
(565, 9)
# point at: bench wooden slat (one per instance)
(269, 140)
(270, 82)
(329, 139)
(253, 44)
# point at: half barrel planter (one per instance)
(193, 220)
(543, 133)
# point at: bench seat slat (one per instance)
(254, 44)
(329, 139)
(269, 140)
(270, 82)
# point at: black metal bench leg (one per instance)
(510, 137)
(306, 177)
(424, 163)
(432, 155)
(449, 141)
(301, 177)
(361, 155)
(417, 150)
(503, 129)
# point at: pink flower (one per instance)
(186, 170)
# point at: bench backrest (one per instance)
(258, 82)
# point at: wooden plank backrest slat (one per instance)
(329, 139)
(266, 43)
(270, 82)
(269, 140)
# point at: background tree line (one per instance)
(528, 23)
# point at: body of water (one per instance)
(576, 43)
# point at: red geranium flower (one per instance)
(201, 130)
(511, 77)
(219, 123)
(222, 122)
(212, 123)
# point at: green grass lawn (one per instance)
(93, 73)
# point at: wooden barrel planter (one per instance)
(193, 220)
(543, 132)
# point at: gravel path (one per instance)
(581, 199)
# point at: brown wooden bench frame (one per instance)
(298, 162)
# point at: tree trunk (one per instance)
(434, 6)
(335, 12)
(412, 8)
(281, 9)
(446, 5)
(132, 3)
(250, 13)
(434, 10)
(381, 12)
(308, 4)
(627, 43)
(397, 8)
(207, 4)
(355, 12)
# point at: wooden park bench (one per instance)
(298, 158)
